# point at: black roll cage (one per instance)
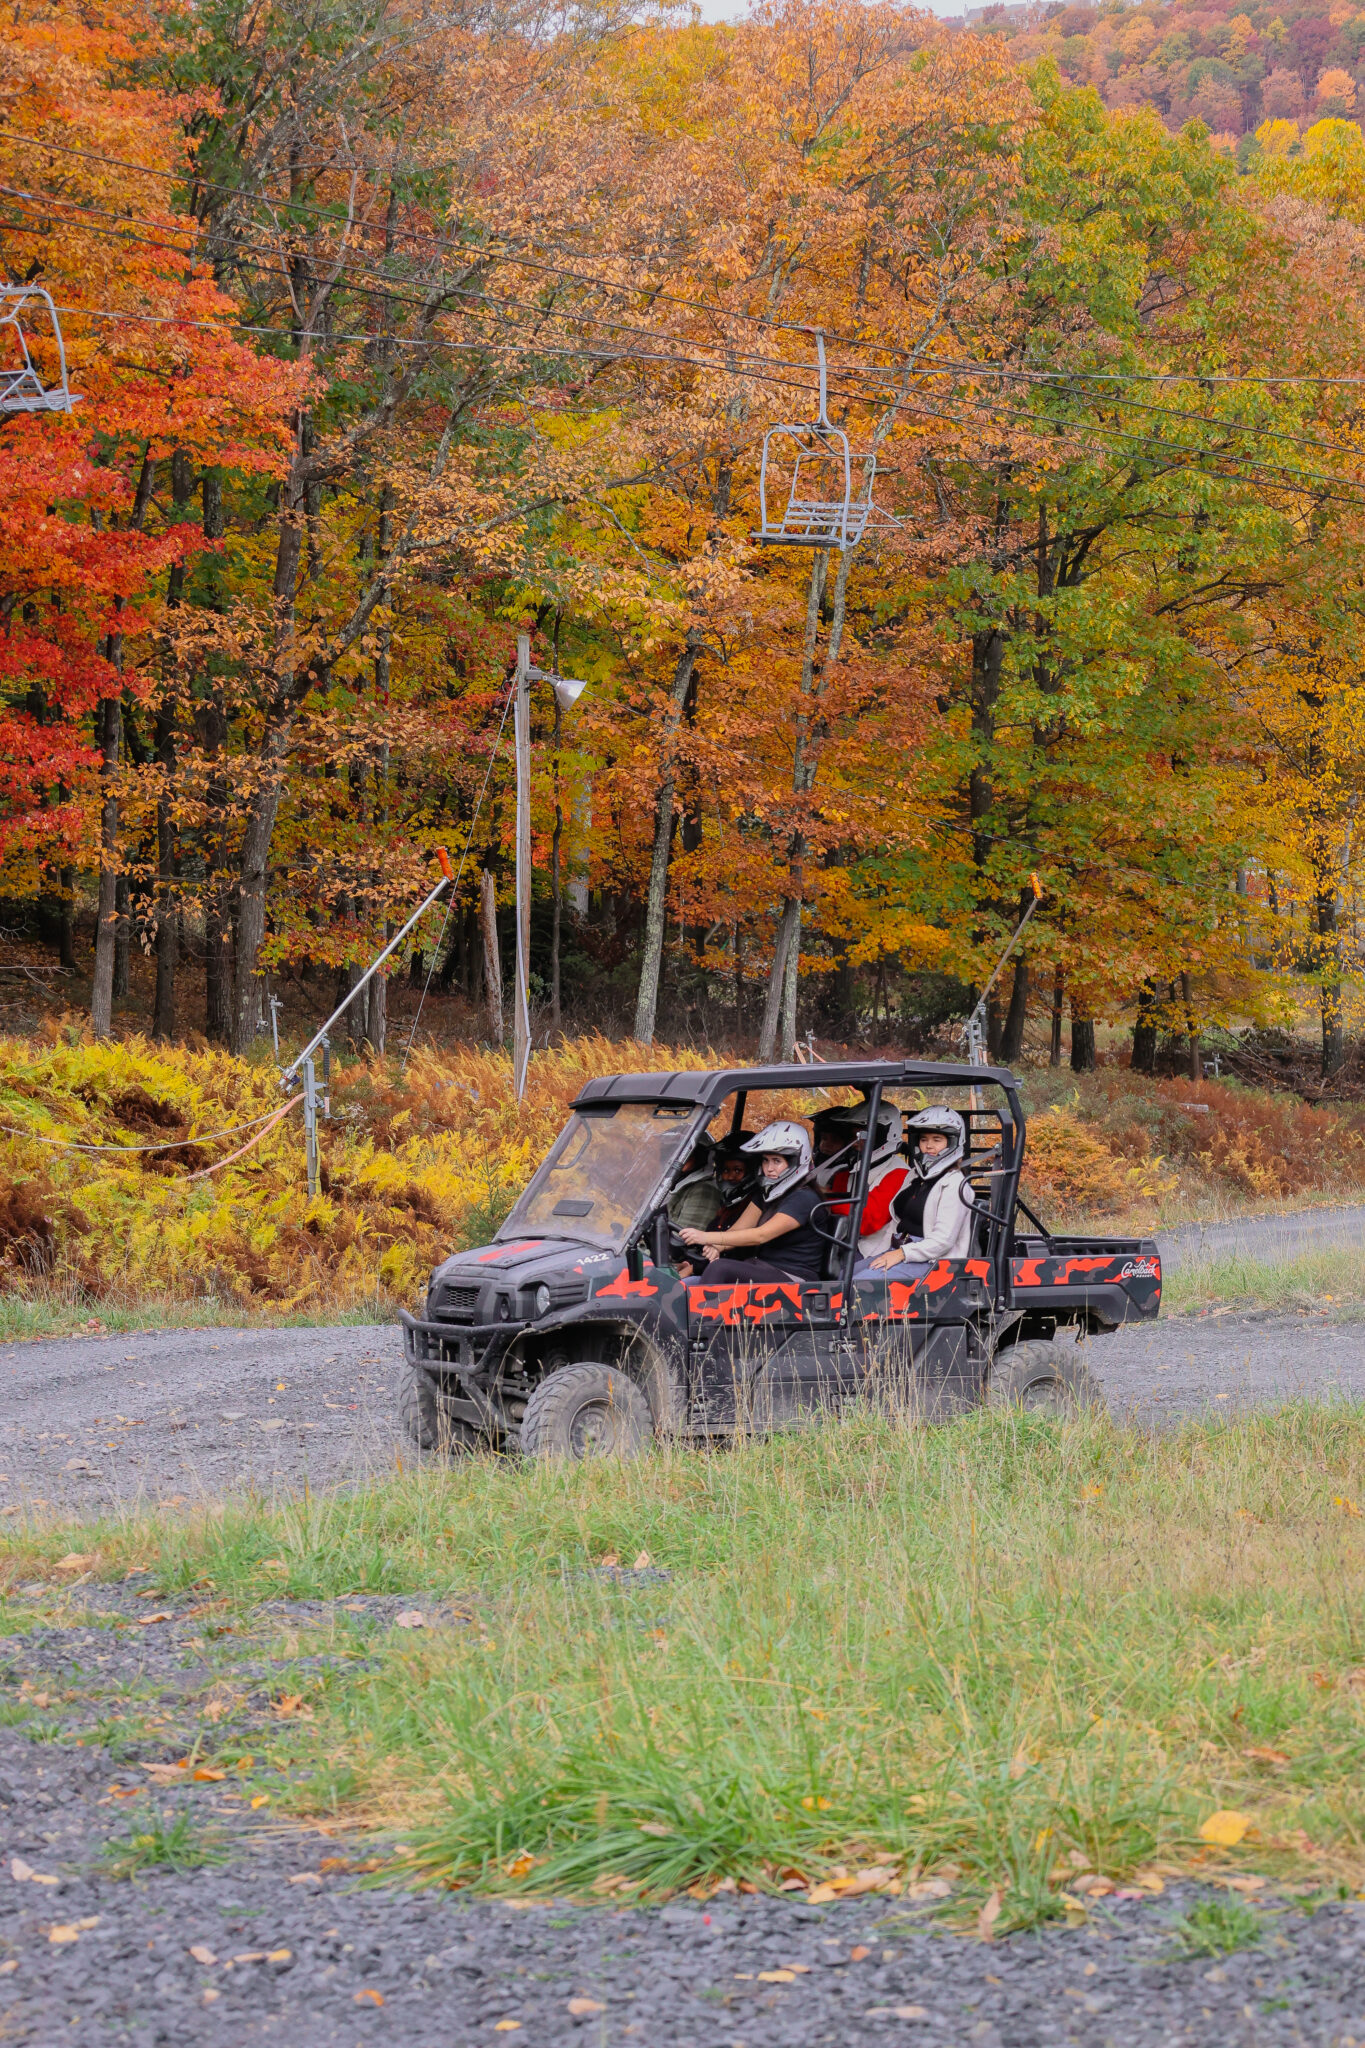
(705, 1091)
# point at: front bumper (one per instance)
(466, 1346)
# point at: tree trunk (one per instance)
(1012, 1038)
(167, 907)
(1143, 1059)
(656, 902)
(1082, 1043)
(790, 979)
(123, 935)
(492, 958)
(253, 875)
(1195, 1068)
(1054, 1057)
(1329, 959)
(106, 925)
(787, 924)
(378, 1019)
(66, 937)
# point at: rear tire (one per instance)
(1042, 1378)
(423, 1416)
(586, 1411)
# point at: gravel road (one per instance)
(276, 1938)
(1264, 1237)
(173, 1416)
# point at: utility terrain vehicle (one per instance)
(574, 1333)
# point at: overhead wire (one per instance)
(658, 294)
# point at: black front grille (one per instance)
(457, 1304)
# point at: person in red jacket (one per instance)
(838, 1140)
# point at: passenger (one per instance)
(698, 1198)
(930, 1219)
(838, 1142)
(737, 1177)
(778, 1219)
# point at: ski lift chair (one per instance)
(823, 510)
(21, 387)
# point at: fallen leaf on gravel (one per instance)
(146, 1620)
(291, 1703)
(165, 1774)
(76, 1560)
(369, 1998)
(508, 2027)
(777, 1976)
(203, 1955)
(929, 1888)
(989, 1914)
(205, 1776)
(275, 1422)
(59, 1936)
(80, 1465)
(8, 1969)
(411, 1617)
(280, 1955)
(1224, 1829)
(642, 1562)
(859, 1954)
(250, 1955)
(1260, 1754)
(23, 1872)
(1091, 1886)
(335, 1863)
(261, 1799)
(305, 1877)
(910, 2012)
(1150, 1881)
(1243, 1884)
(580, 2007)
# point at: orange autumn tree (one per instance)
(89, 546)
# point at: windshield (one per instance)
(600, 1172)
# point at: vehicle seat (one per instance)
(836, 1240)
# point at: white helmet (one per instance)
(849, 1122)
(791, 1141)
(950, 1125)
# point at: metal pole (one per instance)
(447, 875)
(275, 1024)
(976, 1023)
(310, 1126)
(521, 1014)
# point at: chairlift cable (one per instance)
(985, 368)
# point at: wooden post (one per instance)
(521, 1014)
(492, 958)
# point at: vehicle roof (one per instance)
(711, 1086)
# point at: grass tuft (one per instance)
(177, 1845)
(1218, 1927)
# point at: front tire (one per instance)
(586, 1411)
(423, 1416)
(1041, 1378)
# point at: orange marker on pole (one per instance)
(444, 860)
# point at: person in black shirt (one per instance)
(778, 1220)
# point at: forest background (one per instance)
(400, 326)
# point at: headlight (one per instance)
(542, 1300)
(504, 1309)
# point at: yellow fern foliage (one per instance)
(1069, 1170)
(412, 1167)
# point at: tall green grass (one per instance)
(1002, 1645)
(1332, 1278)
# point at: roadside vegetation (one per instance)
(418, 1162)
(1008, 1655)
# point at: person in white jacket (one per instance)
(932, 1222)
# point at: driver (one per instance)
(930, 1219)
(777, 1220)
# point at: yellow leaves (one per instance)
(1224, 1829)
(76, 1561)
(989, 1914)
(815, 1804)
(1348, 1507)
(290, 1706)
